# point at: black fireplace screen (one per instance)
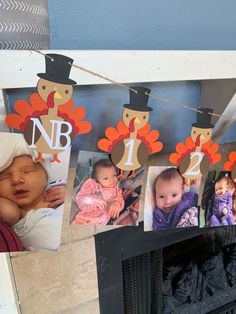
(142, 277)
(147, 274)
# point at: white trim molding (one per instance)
(19, 67)
(8, 296)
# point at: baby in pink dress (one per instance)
(100, 198)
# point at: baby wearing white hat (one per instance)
(23, 191)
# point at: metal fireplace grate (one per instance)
(202, 263)
(142, 279)
(143, 276)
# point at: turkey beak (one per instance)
(202, 137)
(57, 96)
(137, 121)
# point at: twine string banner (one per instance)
(101, 76)
(172, 102)
(163, 99)
(43, 54)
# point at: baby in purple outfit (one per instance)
(174, 208)
(222, 207)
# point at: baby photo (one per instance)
(32, 194)
(170, 200)
(218, 205)
(101, 196)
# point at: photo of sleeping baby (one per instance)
(101, 196)
(170, 200)
(32, 194)
(219, 200)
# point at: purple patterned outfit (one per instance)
(217, 218)
(162, 220)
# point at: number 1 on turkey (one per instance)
(131, 142)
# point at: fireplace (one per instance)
(133, 270)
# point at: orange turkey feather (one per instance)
(113, 136)
(183, 149)
(150, 139)
(74, 116)
(210, 150)
(37, 103)
(144, 130)
(122, 128)
(156, 147)
(121, 132)
(25, 111)
(153, 135)
(174, 158)
(230, 163)
(15, 121)
(23, 108)
(105, 145)
(67, 107)
(37, 107)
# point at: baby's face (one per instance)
(168, 193)
(221, 187)
(23, 182)
(107, 177)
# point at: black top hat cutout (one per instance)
(204, 119)
(139, 100)
(57, 69)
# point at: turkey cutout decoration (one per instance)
(49, 122)
(230, 165)
(197, 153)
(131, 142)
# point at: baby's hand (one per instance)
(55, 196)
(101, 204)
(224, 211)
(114, 209)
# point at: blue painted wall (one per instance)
(150, 24)
(230, 134)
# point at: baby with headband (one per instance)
(223, 203)
(24, 201)
(100, 197)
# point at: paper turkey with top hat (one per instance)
(197, 153)
(49, 121)
(131, 142)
